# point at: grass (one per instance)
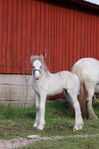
(18, 122)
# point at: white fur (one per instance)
(37, 74)
(87, 69)
(53, 84)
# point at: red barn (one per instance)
(65, 30)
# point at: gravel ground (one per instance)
(19, 142)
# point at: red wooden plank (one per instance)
(63, 57)
(71, 37)
(13, 29)
(33, 32)
(29, 39)
(47, 31)
(95, 54)
(76, 53)
(67, 49)
(4, 37)
(97, 38)
(19, 37)
(49, 37)
(86, 38)
(9, 39)
(78, 35)
(91, 34)
(60, 38)
(1, 33)
(37, 33)
(52, 37)
(24, 35)
(55, 48)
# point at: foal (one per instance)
(46, 84)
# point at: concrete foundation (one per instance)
(16, 90)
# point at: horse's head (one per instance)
(37, 66)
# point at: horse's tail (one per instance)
(81, 98)
(81, 95)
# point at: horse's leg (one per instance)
(42, 111)
(90, 90)
(78, 118)
(68, 98)
(37, 111)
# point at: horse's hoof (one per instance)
(40, 127)
(78, 127)
(94, 117)
(35, 125)
(75, 129)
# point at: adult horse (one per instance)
(46, 84)
(87, 69)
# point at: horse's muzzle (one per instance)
(37, 73)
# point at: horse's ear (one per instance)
(43, 55)
(31, 58)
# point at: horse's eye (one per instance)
(40, 67)
(33, 67)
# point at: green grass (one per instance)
(19, 121)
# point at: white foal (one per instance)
(46, 83)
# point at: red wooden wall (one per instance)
(32, 26)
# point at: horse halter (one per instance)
(34, 70)
(37, 72)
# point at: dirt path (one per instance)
(19, 142)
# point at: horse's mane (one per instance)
(41, 59)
